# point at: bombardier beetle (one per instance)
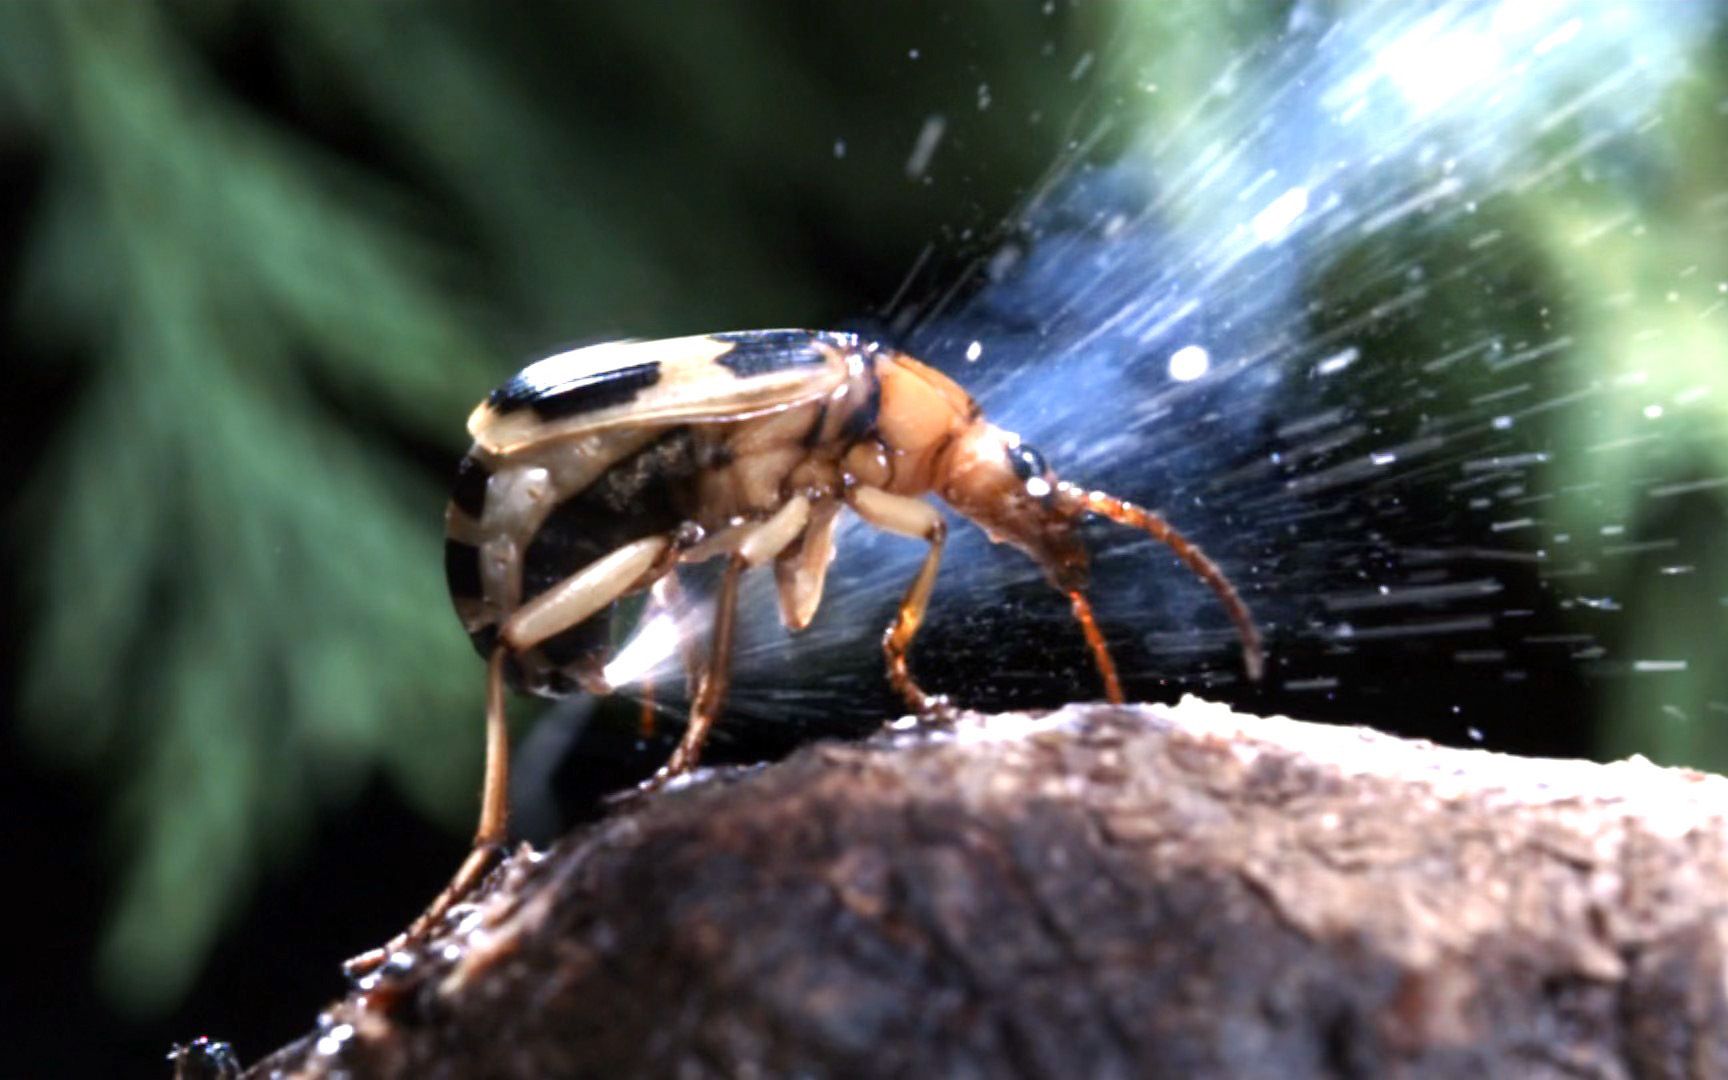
(596, 473)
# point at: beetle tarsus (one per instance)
(938, 710)
(482, 858)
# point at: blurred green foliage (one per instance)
(237, 618)
(288, 244)
(1650, 255)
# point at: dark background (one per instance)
(260, 258)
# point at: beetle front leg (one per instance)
(916, 518)
(800, 571)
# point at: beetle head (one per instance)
(1007, 488)
(1011, 493)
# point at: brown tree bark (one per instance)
(1099, 891)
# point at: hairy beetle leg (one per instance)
(915, 518)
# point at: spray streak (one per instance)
(1152, 327)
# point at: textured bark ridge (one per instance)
(1099, 891)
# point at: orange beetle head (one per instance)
(1007, 488)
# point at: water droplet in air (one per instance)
(1189, 363)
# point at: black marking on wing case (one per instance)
(462, 570)
(763, 352)
(861, 422)
(468, 491)
(589, 393)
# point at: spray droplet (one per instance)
(924, 147)
(1274, 222)
(1189, 363)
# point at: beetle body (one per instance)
(697, 441)
(595, 473)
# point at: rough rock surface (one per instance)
(1100, 891)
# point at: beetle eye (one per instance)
(1028, 463)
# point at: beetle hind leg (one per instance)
(489, 836)
(552, 612)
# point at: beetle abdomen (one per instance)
(645, 493)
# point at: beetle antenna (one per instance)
(1138, 517)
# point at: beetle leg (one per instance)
(775, 535)
(907, 517)
(489, 837)
(800, 571)
(666, 598)
(762, 543)
(581, 594)
(715, 678)
(547, 615)
(645, 722)
(1095, 641)
(670, 595)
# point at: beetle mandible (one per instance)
(596, 472)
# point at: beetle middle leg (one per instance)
(760, 544)
(916, 518)
(666, 598)
(716, 676)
